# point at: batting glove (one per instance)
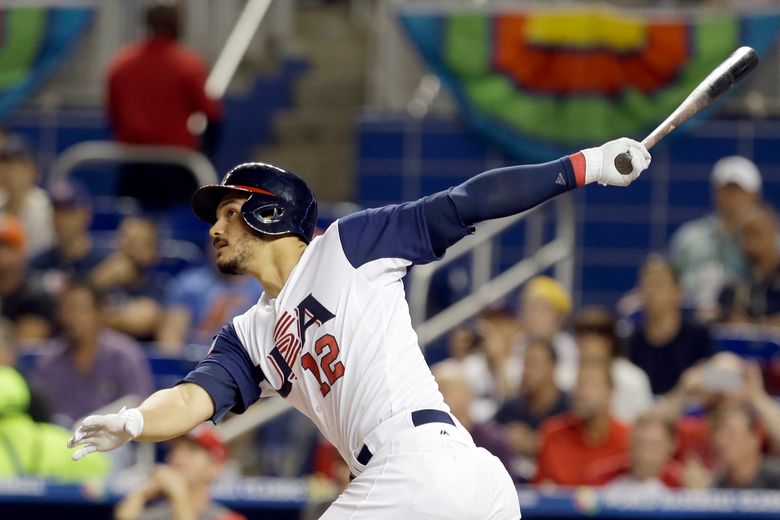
(600, 162)
(106, 432)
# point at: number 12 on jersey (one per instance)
(327, 350)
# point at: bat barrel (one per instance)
(739, 64)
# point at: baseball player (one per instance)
(333, 336)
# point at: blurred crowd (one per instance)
(640, 395)
(643, 394)
(654, 392)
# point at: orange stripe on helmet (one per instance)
(250, 188)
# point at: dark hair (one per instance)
(601, 322)
(163, 18)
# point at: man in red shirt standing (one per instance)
(586, 447)
(154, 87)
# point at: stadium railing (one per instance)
(556, 253)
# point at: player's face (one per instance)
(232, 239)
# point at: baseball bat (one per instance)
(741, 62)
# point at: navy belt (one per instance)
(419, 417)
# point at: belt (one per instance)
(419, 417)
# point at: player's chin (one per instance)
(229, 266)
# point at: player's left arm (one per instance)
(508, 191)
(421, 231)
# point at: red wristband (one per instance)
(578, 165)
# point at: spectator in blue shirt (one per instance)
(198, 301)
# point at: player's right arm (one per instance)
(164, 415)
(225, 380)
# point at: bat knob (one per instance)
(623, 163)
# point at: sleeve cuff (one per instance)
(578, 164)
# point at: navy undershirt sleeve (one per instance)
(493, 194)
(422, 230)
(395, 231)
(228, 375)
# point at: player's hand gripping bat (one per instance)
(726, 75)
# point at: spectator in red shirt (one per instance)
(154, 87)
(587, 446)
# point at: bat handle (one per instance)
(623, 163)
(623, 160)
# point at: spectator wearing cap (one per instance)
(706, 251)
(755, 298)
(23, 299)
(73, 254)
(594, 330)
(193, 463)
(20, 195)
(545, 305)
(666, 341)
(88, 366)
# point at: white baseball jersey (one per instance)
(337, 342)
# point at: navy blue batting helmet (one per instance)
(279, 203)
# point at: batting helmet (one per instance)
(279, 203)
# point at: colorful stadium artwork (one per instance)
(34, 41)
(537, 82)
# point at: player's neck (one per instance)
(274, 263)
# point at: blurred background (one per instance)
(617, 349)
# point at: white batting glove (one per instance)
(106, 432)
(600, 162)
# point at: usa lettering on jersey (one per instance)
(287, 346)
